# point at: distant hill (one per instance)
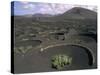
(78, 13)
(42, 15)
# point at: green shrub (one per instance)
(22, 49)
(59, 61)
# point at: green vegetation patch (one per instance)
(60, 61)
(22, 49)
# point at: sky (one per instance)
(25, 8)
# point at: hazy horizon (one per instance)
(26, 8)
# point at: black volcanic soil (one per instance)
(41, 62)
(79, 19)
(28, 42)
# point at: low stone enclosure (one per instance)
(85, 42)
